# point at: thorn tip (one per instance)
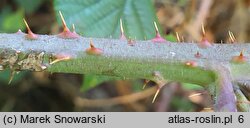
(203, 29)
(73, 26)
(63, 21)
(240, 58)
(156, 27)
(204, 43)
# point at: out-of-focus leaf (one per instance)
(5, 11)
(5, 76)
(100, 18)
(13, 22)
(171, 38)
(29, 5)
(182, 2)
(91, 81)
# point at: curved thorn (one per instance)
(59, 59)
(156, 94)
(196, 94)
(145, 83)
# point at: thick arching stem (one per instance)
(174, 61)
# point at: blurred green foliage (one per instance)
(182, 104)
(13, 21)
(10, 21)
(5, 76)
(170, 37)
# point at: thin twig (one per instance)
(82, 102)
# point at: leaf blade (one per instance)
(100, 18)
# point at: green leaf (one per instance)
(91, 81)
(5, 11)
(100, 18)
(13, 22)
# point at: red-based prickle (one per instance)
(30, 35)
(197, 55)
(66, 34)
(239, 59)
(158, 38)
(191, 63)
(93, 50)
